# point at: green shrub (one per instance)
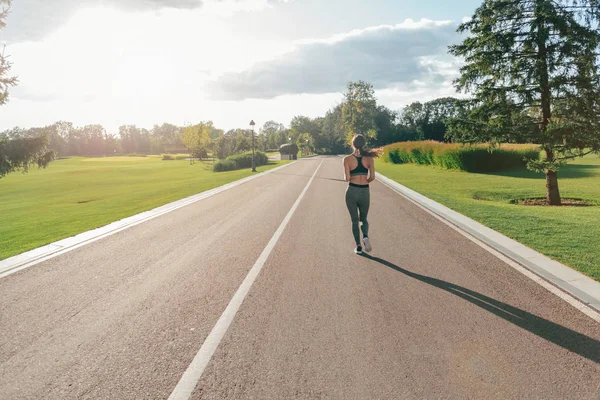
(134, 155)
(470, 158)
(224, 165)
(239, 161)
(175, 156)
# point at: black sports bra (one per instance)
(360, 168)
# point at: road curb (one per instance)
(25, 260)
(578, 285)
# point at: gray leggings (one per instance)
(357, 201)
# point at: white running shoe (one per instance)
(358, 250)
(367, 243)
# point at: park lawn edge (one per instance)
(229, 177)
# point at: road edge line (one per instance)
(35, 256)
(190, 378)
(577, 289)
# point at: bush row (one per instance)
(239, 161)
(470, 158)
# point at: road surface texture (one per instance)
(430, 315)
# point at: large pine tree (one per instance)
(532, 68)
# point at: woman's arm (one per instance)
(346, 170)
(371, 171)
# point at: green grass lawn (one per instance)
(77, 194)
(570, 235)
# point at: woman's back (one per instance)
(359, 168)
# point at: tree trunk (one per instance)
(552, 193)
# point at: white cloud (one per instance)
(389, 55)
(113, 67)
(34, 19)
(142, 55)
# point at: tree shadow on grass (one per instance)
(564, 337)
(571, 171)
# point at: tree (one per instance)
(304, 130)
(305, 142)
(385, 120)
(271, 131)
(222, 147)
(429, 120)
(301, 124)
(5, 81)
(359, 110)
(135, 140)
(129, 135)
(165, 135)
(333, 136)
(111, 144)
(242, 140)
(532, 67)
(144, 145)
(94, 140)
(20, 153)
(197, 138)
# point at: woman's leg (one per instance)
(352, 204)
(364, 202)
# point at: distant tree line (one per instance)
(331, 134)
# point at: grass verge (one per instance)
(567, 234)
(78, 194)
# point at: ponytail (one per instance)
(369, 152)
(359, 142)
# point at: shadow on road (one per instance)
(564, 337)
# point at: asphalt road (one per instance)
(429, 315)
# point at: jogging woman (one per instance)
(359, 170)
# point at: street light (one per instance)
(252, 127)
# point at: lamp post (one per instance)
(253, 163)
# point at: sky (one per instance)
(146, 62)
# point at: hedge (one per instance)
(175, 157)
(239, 161)
(470, 158)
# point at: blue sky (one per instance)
(181, 61)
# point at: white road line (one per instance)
(584, 308)
(194, 372)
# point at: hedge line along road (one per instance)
(428, 315)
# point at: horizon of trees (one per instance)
(329, 134)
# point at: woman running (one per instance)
(359, 170)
